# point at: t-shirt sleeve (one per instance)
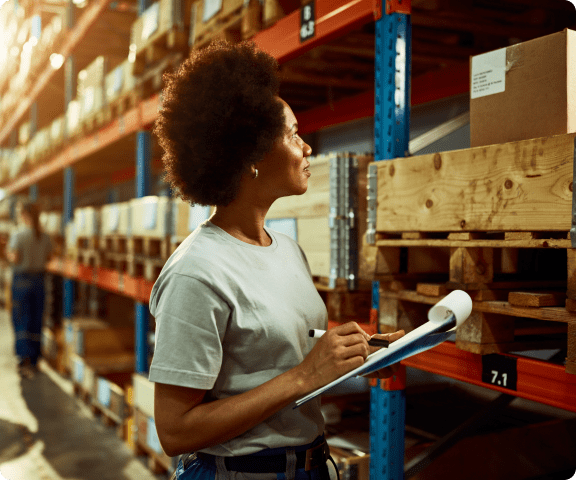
(191, 321)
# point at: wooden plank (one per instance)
(553, 314)
(315, 202)
(537, 299)
(314, 238)
(515, 186)
(431, 289)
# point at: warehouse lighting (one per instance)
(83, 75)
(132, 54)
(56, 60)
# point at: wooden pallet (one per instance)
(145, 267)
(150, 246)
(345, 305)
(86, 256)
(115, 243)
(120, 105)
(234, 23)
(91, 242)
(495, 326)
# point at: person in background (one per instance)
(29, 248)
(234, 303)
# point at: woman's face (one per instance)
(284, 169)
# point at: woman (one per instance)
(28, 250)
(235, 302)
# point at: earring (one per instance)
(255, 173)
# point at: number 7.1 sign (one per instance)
(307, 21)
(500, 370)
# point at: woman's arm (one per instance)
(185, 424)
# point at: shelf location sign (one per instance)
(307, 21)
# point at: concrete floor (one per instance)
(47, 434)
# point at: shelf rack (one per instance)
(537, 380)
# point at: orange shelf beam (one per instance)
(538, 380)
(138, 289)
(72, 39)
(334, 18)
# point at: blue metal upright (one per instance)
(68, 214)
(143, 182)
(391, 138)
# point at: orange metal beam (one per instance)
(73, 38)
(538, 380)
(334, 18)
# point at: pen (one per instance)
(373, 342)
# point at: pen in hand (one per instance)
(373, 342)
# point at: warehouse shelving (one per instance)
(537, 380)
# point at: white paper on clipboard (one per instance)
(443, 318)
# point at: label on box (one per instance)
(113, 218)
(211, 8)
(103, 392)
(287, 226)
(198, 215)
(488, 74)
(151, 20)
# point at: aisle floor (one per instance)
(48, 434)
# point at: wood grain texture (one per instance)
(537, 299)
(315, 202)
(515, 186)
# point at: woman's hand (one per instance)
(392, 369)
(340, 350)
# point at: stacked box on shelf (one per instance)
(150, 231)
(114, 232)
(92, 93)
(86, 236)
(38, 147)
(57, 133)
(119, 84)
(51, 223)
(17, 162)
(162, 27)
(232, 20)
(97, 345)
(542, 70)
(73, 124)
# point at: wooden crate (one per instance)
(308, 217)
(493, 221)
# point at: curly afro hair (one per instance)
(219, 116)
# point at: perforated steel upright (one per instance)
(391, 137)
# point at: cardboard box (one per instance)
(149, 216)
(115, 219)
(524, 91)
(91, 86)
(87, 221)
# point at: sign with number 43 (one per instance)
(307, 21)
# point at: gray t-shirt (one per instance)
(33, 252)
(231, 316)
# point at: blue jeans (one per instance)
(199, 470)
(27, 312)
